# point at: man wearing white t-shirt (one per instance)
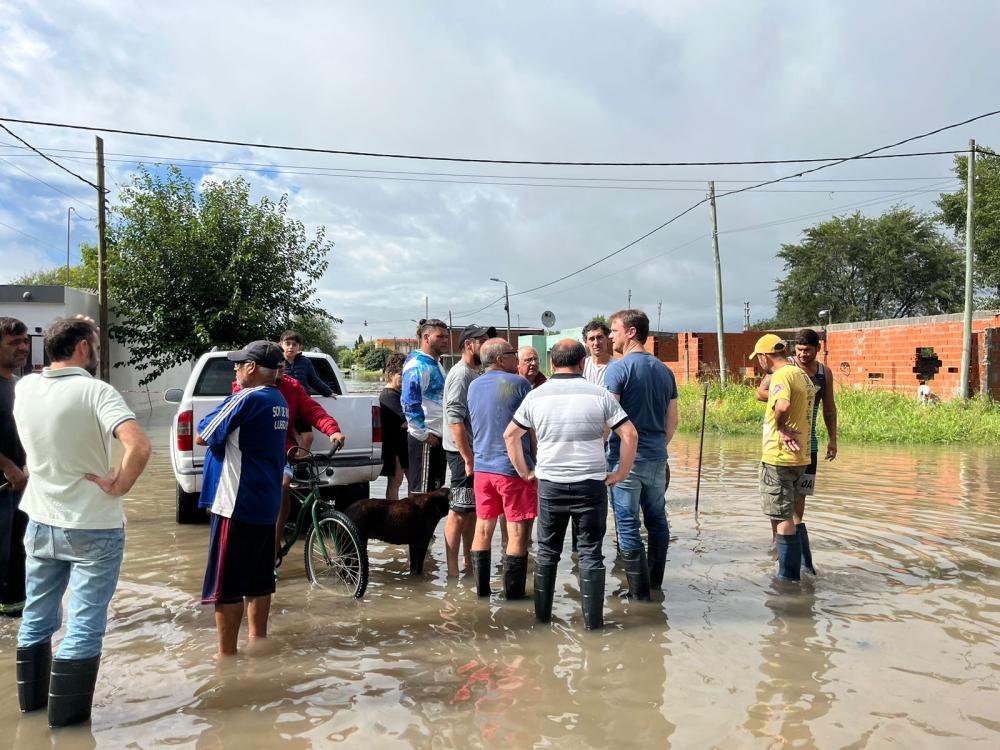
(596, 338)
(66, 419)
(571, 419)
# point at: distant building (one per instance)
(401, 346)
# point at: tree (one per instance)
(375, 358)
(344, 357)
(82, 276)
(317, 330)
(863, 268)
(188, 271)
(987, 216)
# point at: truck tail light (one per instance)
(185, 431)
(376, 424)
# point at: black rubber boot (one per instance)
(71, 690)
(33, 666)
(515, 576)
(637, 573)
(481, 567)
(545, 588)
(657, 562)
(789, 557)
(807, 555)
(592, 597)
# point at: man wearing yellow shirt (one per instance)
(787, 425)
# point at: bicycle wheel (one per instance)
(337, 555)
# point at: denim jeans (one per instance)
(586, 505)
(85, 560)
(643, 489)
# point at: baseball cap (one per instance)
(768, 344)
(264, 353)
(476, 332)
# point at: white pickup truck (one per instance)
(357, 464)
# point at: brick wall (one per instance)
(884, 354)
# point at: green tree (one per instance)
(317, 330)
(375, 358)
(344, 357)
(81, 276)
(987, 216)
(189, 271)
(862, 268)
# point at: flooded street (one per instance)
(897, 641)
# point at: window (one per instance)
(216, 378)
(926, 363)
(326, 373)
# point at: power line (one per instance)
(48, 158)
(43, 243)
(690, 208)
(39, 179)
(467, 160)
(194, 162)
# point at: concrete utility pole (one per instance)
(102, 266)
(427, 307)
(506, 304)
(970, 238)
(629, 305)
(659, 307)
(719, 325)
(746, 316)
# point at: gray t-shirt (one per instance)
(456, 402)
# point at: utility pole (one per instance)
(746, 316)
(506, 304)
(970, 238)
(450, 353)
(659, 307)
(69, 211)
(719, 325)
(629, 305)
(427, 307)
(102, 266)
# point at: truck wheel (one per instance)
(344, 495)
(187, 508)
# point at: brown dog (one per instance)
(411, 521)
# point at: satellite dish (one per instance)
(548, 318)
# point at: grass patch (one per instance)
(864, 416)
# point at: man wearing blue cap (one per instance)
(241, 487)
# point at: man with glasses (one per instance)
(528, 366)
(241, 486)
(493, 398)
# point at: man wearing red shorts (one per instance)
(493, 399)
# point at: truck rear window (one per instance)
(217, 376)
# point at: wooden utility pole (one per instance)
(102, 266)
(719, 324)
(970, 238)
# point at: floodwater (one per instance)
(894, 643)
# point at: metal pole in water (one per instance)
(970, 238)
(701, 444)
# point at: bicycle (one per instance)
(336, 554)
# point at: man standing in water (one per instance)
(66, 419)
(457, 441)
(785, 453)
(806, 349)
(648, 392)
(422, 399)
(14, 349)
(595, 336)
(241, 486)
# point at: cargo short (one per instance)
(778, 488)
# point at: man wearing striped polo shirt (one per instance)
(571, 419)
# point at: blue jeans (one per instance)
(85, 560)
(643, 489)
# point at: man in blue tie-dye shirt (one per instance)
(422, 400)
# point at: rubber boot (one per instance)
(807, 555)
(592, 597)
(33, 666)
(71, 690)
(657, 562)
(515, 576)
(545, 588)
(789, 557)
(481, 567)
(637, 573)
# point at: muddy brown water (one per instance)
(894, 643)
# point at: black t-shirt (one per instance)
(393, 421)
(10, 444)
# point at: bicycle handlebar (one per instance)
(312, 457)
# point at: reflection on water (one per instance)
(894, 642)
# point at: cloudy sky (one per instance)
(622, 81)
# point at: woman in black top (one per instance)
(394, 461)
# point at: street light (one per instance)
(826, 334)
(506, 304)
